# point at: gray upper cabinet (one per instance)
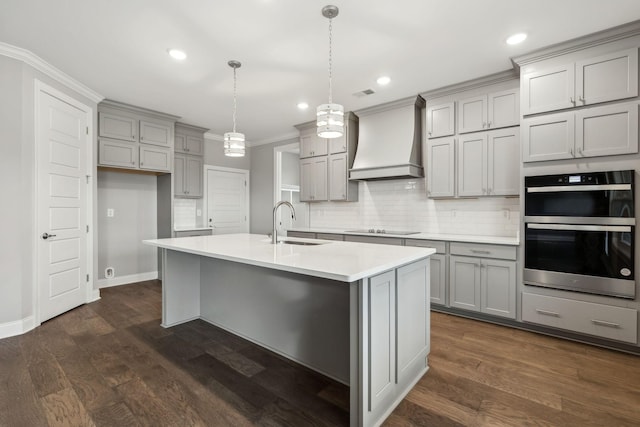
(491, 111)
(488, 163)
(599, 131)
(189, 161)
(441, 167)
(134, 138)
(441, 120)
(118, 126)
(156, 133)
(604, 78)
(325, 163)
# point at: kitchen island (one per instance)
(356, 312)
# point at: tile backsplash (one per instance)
(403, 205)
(185, 212)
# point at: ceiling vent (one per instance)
(364, 93)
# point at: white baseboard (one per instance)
(17, 327)
(125, 280)
(95, 295)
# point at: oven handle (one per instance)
(574, 227)
(561, 188)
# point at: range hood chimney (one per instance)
(390, 141)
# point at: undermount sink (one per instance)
(297, 242)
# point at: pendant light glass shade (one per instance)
(330, 120)
(234, 144)
(234, 141)
(330, 116)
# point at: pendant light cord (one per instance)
(330, 62)
(235, 103)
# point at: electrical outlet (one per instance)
(111, 213)
(198, 212)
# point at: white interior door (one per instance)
(227, 200)
(62, 142)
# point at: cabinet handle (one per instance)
(141, 163)
(579, 150)
(547, 313)
(141, 138)
(604, 323)
(581, 99)
(488, 124)
(484, 191)
(573, 101)
(484, 124)
(477, 251)
(430, 133)
(571, 151)
(133, 163)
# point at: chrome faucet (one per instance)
(274, 236)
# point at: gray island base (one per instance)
(355, 312)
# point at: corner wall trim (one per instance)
(125, 280)
(94, 296)
(17, 327)
(41, 65)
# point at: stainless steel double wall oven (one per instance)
(580, 232)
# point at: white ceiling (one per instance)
(118, 48)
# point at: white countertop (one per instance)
(495, 240)
(342, 261)
(190, 228)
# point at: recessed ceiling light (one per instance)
(177, 54)
(384, 80)
(303, 105)
(516, 38)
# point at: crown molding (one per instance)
(620, 32)
(39, 64)
(415, 100)
(491, 79)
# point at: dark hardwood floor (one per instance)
(109, 363)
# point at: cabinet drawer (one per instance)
(117, 153)
(303, 234)
(484, 251)
(616, 323)
(330, 236)
(189, 233)
(440, 247)
(372, 239)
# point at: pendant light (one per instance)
(330, 117)
(234, 141)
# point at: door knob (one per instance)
(45, 236)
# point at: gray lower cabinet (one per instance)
(605, 321)
(188, 176)
(439, 268)
(302, 234)
(398, 340)
(485, 281)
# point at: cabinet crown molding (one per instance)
(620, 32)
(109, 103)
(491, 79)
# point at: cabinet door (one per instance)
(503, 168)
(472, 114)
(503, 109)
(438, 279)
(441, 120)
(382, 341)
(306, 180)
(412, 317)
(320, 170)
(155, 158)
(119, 154)
(548, 90)
(194, 145)
(312, 145)
(179, 167)
(548, 137)
(607, 78)
(607, 130)
(193, 176)
(498, 288)
(118, 127)
(180, 143)
(441, 167)
(464, 279)
(338, 176)
(338, 145)
(156, 133)
(472, 164)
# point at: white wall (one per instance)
(403, 205)
(133, 199)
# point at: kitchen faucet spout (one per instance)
(274, 236)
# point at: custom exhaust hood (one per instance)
(390, 141)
